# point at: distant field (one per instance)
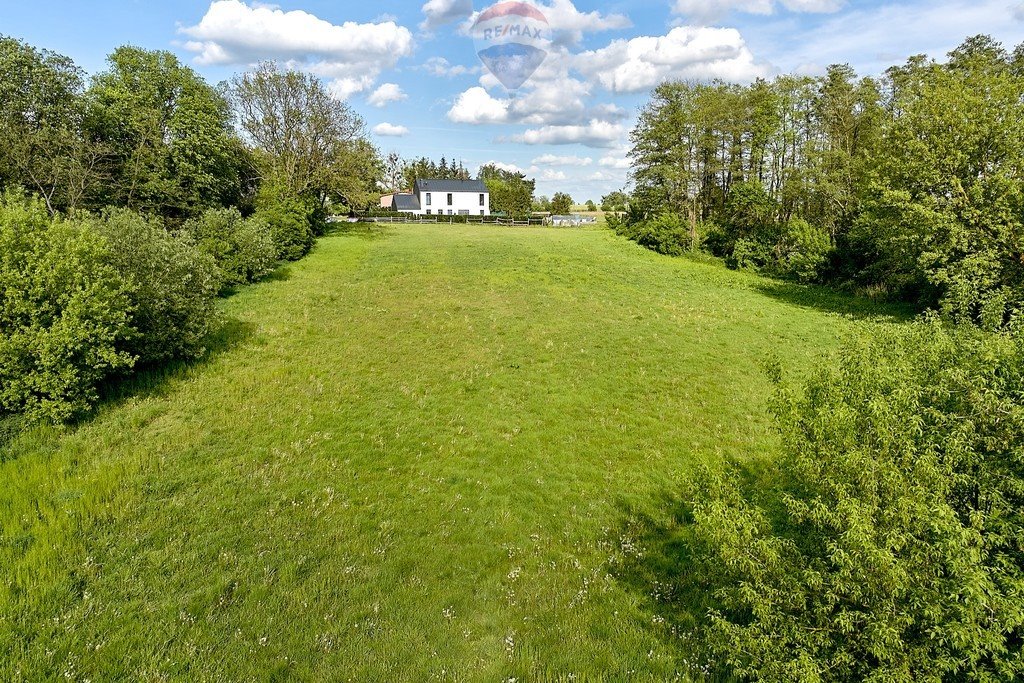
(413, 456)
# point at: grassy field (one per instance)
(416, 455)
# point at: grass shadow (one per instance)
(155, 380)
(829, 300)
(144, 381)
(671, 576)
(366, 231)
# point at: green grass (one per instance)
(414, 455)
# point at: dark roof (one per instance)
(449, 186)
(406, 202)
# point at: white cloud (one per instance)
(235, 33)
(442, 68)
(864, 37)
(511, 168)
(476, 106)
(1018, 12)
(616, 162)
(441, 12)
(386, 93)
(712, 10)
(554, 160)
(569, 24)
(596, 133)
(687, 52)
(551, 174)
(343, 88)
(390, 130)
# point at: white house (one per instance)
(445, 198)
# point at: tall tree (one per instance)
(511, 192)
(42, 144)
(944, 215)
(173, 150)
(561, 204)
(305, 139)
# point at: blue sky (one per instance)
(411, 70)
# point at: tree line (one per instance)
(885, 540)
(130, 200)
(910, 185)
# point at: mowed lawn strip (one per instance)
(412, 458)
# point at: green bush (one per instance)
(290, 219)
(65, 312)
(805, 250)
(749, 254)
(665, 233)
(243, 249)
(173, 286)
(887, 543)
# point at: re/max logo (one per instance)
(511, 30)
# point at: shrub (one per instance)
(243, 249)
(65, 312)
(173, 286)
(886, 543)
(748, 254)
(806, 250)
(289, 218)
(665, 233)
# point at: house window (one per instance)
(481, 212)
(449, 212)
(449, 200)
(428, 212)
(463, 212)
(428, 199)
(481, 200)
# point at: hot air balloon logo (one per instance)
(511, 40)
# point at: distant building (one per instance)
(444, 198)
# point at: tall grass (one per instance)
(413, 459)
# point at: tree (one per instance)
(561, 204)
(426, 169)
(42, 144)
(393, 176)
(615, 201)
(884, 543)
(944, 212)
(511, 193)
(591, 206)
(305, 139)
(173, 151)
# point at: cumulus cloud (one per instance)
(344, 87)
(711, 10)
(476, 106)
(385, 94)
(390, 130)
(615, 162)
(233, 32)
(568, 24)
(511, 168)
(442, 68)
(555, 160)
(686, 52)
(551, 174)
(596, 133)
(441, 12)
